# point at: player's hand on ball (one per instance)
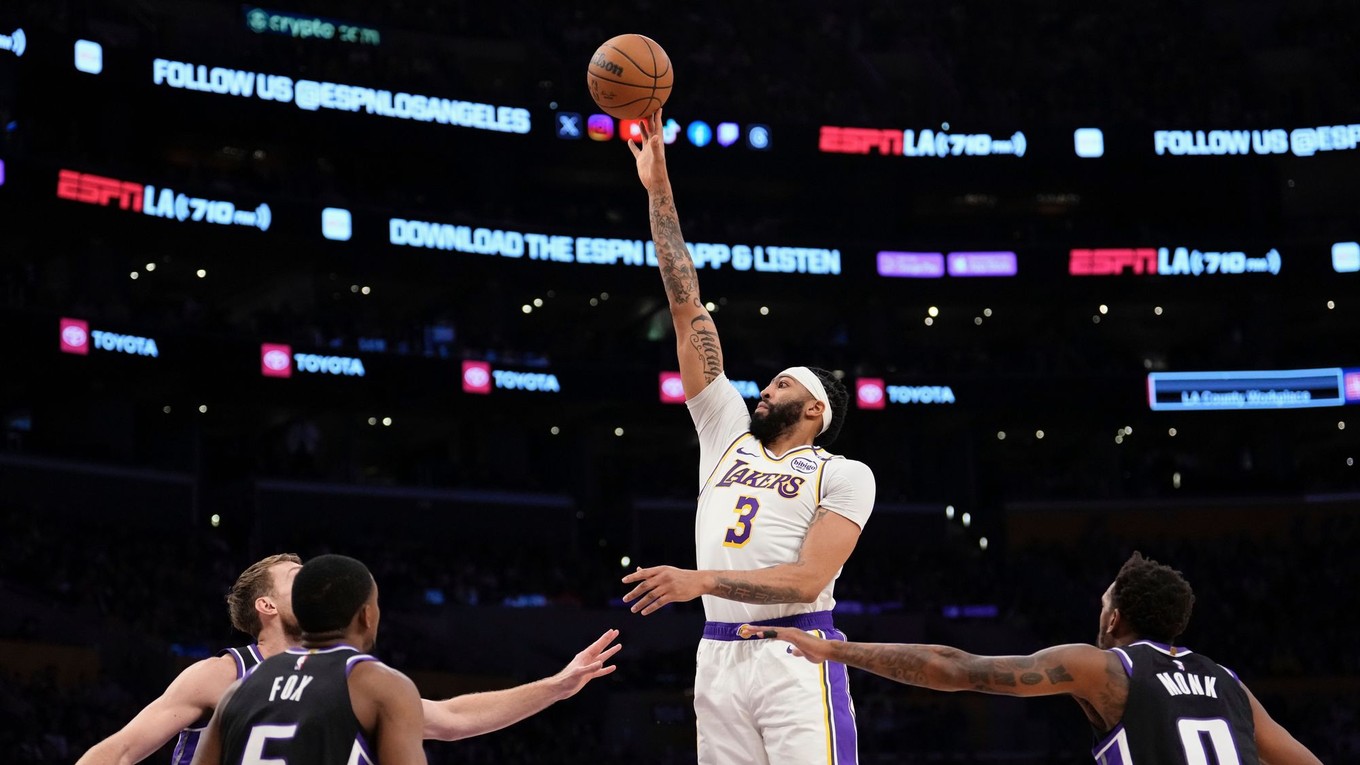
(660, 585)
(651, 154)
(587, 665)
(805, 644)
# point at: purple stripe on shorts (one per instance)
(816, 620)
(842, 710)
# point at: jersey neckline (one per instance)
(1169, 650)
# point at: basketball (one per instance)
(630, 77)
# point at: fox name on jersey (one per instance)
(290, 689)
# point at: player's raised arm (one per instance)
(198, 688)
(209, 751)
(474, 714)
(696, 336)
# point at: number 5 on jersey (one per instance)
(739, 533)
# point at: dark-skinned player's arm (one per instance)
(1077, 669)
(830, 539)
(387, 704)
(696, 336)
(1274, 744)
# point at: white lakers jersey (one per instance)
(755, 507)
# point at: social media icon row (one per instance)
(602, 127)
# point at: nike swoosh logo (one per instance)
(743, 451)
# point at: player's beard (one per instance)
(776, 420)
(291, 630)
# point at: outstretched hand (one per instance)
(805, 644)
(651, 154)
(587, 665)
(660, 585)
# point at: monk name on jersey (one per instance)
(786, 485)
(1176, 684)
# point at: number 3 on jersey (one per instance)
(739, 533)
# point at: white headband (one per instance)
(814, 385)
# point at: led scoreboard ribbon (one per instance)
(1279, 389)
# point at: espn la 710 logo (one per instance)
(158, 203)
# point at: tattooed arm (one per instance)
(830, 540)
(1079, 670)
(696, 335)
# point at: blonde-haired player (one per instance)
(260, 603)
(777, 518)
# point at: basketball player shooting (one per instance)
(778, 516)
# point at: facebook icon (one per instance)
(699, 133)
(568, 125)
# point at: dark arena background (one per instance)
(373, 278)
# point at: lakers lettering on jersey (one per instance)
(755, 507)
(1182, 709)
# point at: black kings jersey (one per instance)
(295, 709)
(1183, 709)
